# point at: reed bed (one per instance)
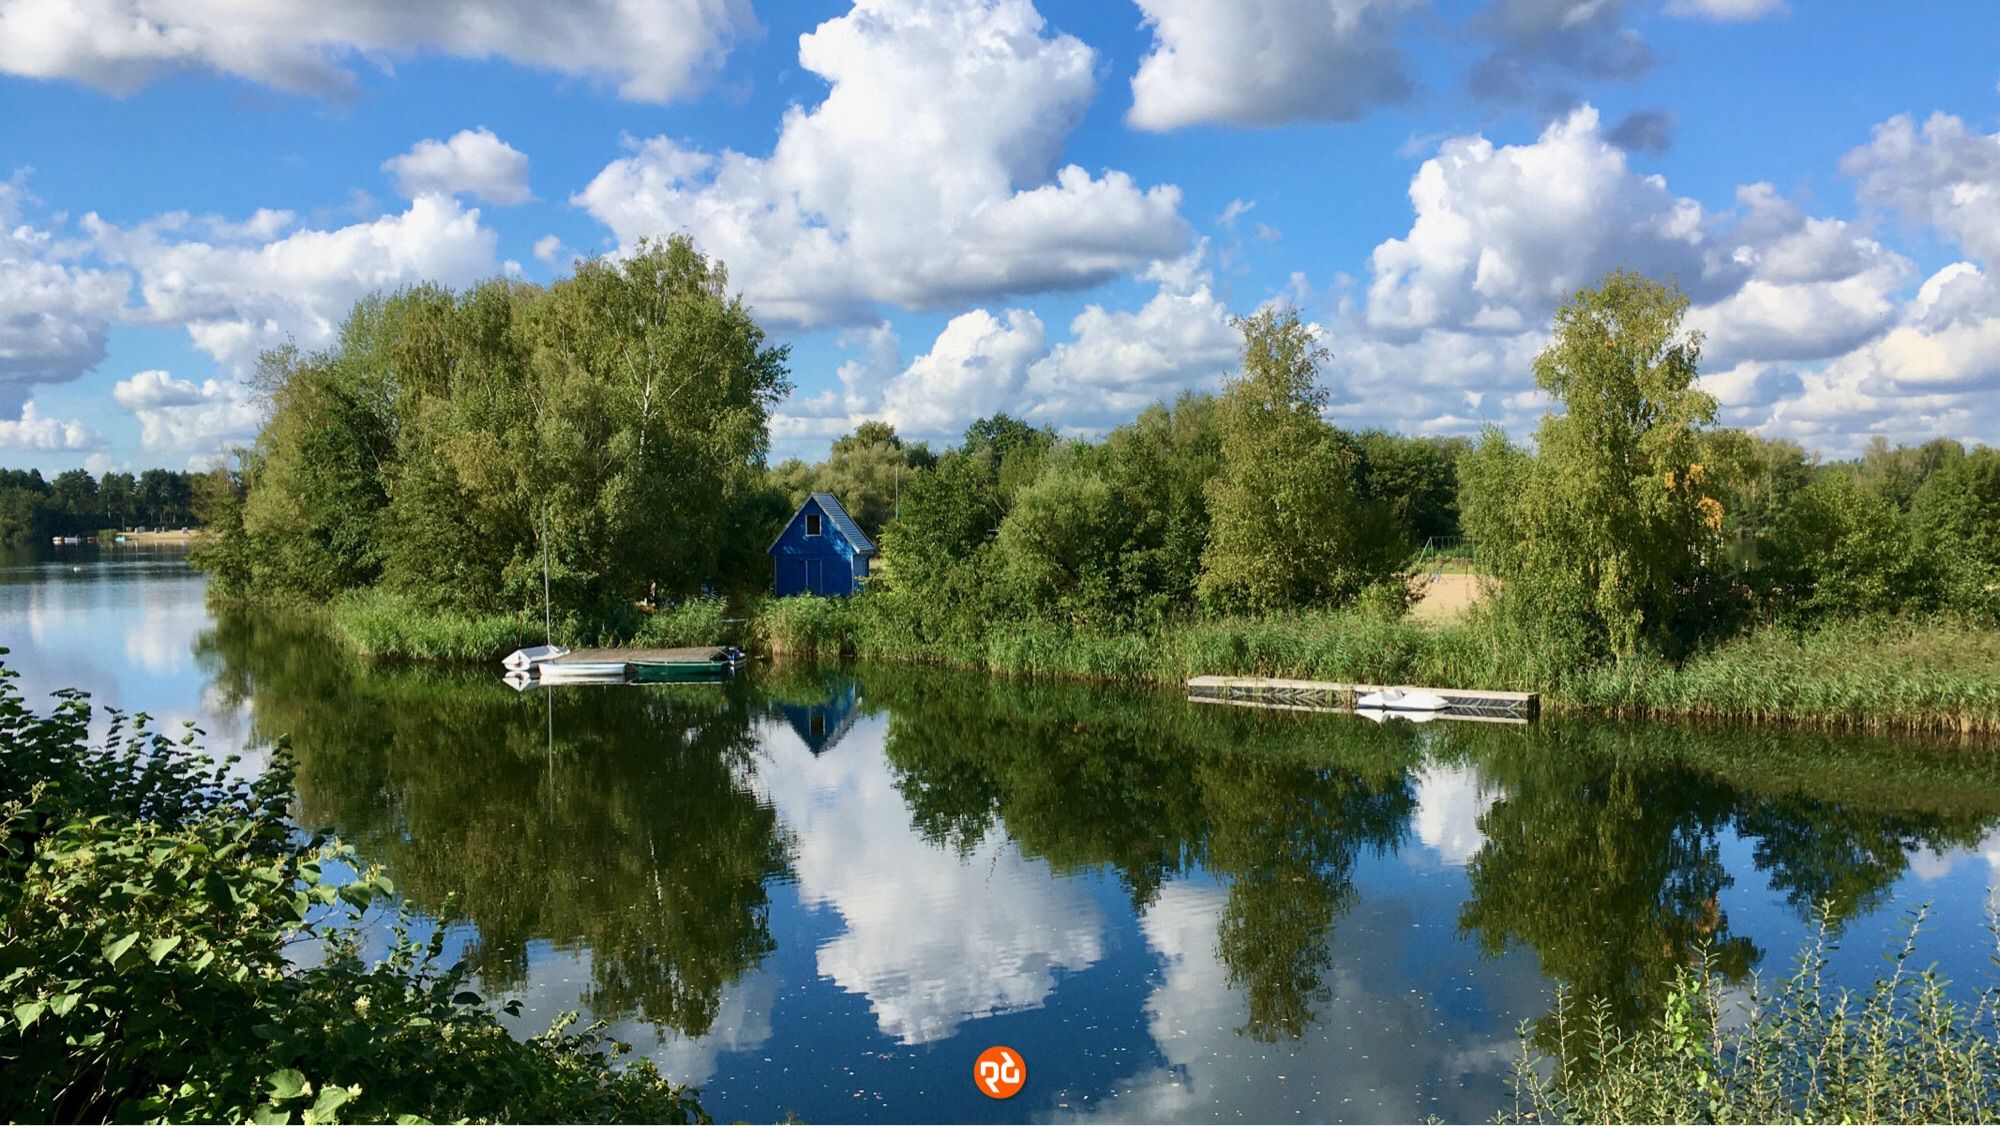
(378, 624)
(1918, 677)
(1905, 1049)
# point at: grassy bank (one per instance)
(379, 624)
(1936, 677)
(1931, 676)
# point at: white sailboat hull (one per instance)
(521, 660)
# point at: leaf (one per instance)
(327, 1106)
(288, 1083)
(62, 1003)
(271, 1116)
(117, 948)
(27, 1012)
(159, 948)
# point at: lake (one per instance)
(823, 891)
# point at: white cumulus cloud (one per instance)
(181, 416)
(1944, 175)
(924, 179)
(1502, 233)
(237, 298)
(55, 313)
(655, 50)
(1267, 62)
(473, 162)
(33, 432)
(1727, 10)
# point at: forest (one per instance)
(79, 504)
(615, 424)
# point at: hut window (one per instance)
(812, 523)
(819, 725)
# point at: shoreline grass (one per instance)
(1930, 677)
(381, 625)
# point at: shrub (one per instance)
(1902, 1050)
(696, 621)
(150, 905)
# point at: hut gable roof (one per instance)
(837, 516)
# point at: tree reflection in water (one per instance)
(617, 821)
(624, 821)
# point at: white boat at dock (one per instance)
(521, 660)
(1401, 700)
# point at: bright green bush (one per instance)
(1902, 1050)
(150, 908)
(696, 621)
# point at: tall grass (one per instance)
(1933, 676)
(1907, 676)
(697, 621)
(379, 624)
(1902, 1050)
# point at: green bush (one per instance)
(151, 907)
(696, 621)
(1902, 1050)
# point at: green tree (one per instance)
(1838, 550)
(1286, 527)
(1611, 526)
(1957, 518)
(74, 502)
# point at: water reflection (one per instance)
(818, 886)
(621, 822)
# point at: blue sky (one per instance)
(951, 207)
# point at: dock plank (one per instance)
(629, 655)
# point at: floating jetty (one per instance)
(1328, 696)
(630, 665)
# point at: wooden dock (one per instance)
(633, 656)
(1322, 695)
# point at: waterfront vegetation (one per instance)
(1637, 558)
(1904, 1049)
(173, 948)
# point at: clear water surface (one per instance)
(823, 891)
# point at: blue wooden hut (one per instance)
(821, 551)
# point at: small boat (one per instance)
(1402, 700)
(521, 660)
(581, 672)
(680, 672)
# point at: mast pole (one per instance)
(548, 619)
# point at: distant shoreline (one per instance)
(173, 537)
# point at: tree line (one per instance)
(76, 503)
(616, 425)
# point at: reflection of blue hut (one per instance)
(821, 551)
(821, 725)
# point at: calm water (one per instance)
(824, 891)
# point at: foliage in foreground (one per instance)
(172, 949)
(1901, 1050)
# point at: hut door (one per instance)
(812, 577)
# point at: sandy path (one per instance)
(1446, 597)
